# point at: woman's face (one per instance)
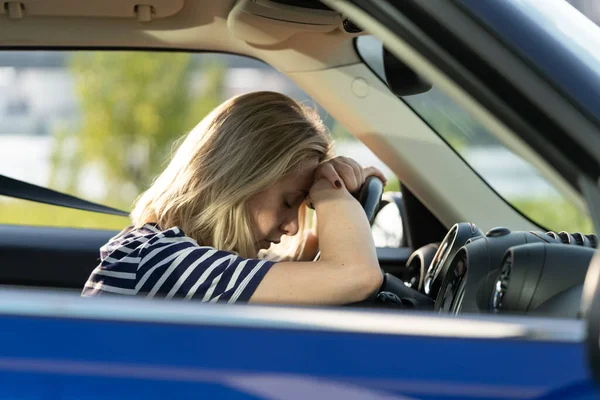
(275, 210)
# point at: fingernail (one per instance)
(338, 184)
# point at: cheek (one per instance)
(264, 216)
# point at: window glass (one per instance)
(101, 124)
(515, 179)
(511, 176)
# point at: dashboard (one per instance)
(508, 272)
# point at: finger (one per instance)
(372, 171)
(347, 173)
(327, 171)
(358, 171)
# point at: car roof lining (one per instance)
(199, 25)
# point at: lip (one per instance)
(265, 244)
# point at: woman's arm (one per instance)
(348, 270)
(353, 175)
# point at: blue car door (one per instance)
(56, 346)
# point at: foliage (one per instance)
(556, 215)
(450, 120)
(134, 105)
(22, 212)
(393, 185)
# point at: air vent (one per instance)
(501, 285)
(580, 240)
(593, 240)
(576, 239)
(553, 235)
(566, 237)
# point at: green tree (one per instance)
(134, 105)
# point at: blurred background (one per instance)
(101, 125)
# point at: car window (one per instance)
(101, 124)
(511, 176)
(515, 179)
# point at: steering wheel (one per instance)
(369, 196)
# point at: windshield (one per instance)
(511, 176)
(514, 178)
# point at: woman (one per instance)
(240, 183)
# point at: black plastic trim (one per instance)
(422, 226)
(49, 256)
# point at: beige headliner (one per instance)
(200, 25)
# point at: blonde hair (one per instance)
(242, 147)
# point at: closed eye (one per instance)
(296, 200)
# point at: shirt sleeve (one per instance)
(202, 273)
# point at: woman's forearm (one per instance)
(344, 232)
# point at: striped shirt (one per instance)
(166, 263)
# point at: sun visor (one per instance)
(143, 10)
(265, 22)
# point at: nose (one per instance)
(290, 224)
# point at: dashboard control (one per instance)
(501, 284)
(581, 240)
(417, 264)
(593, 240)
(458, 235)
(576, 238)
(499, 231)
(542, 278)
(566, 237)
(452, 282)
(508, 272)
(471, 272)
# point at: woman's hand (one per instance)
(343, 171)
(347, 172)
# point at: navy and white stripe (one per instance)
(167, 264)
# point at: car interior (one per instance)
(460, 247)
